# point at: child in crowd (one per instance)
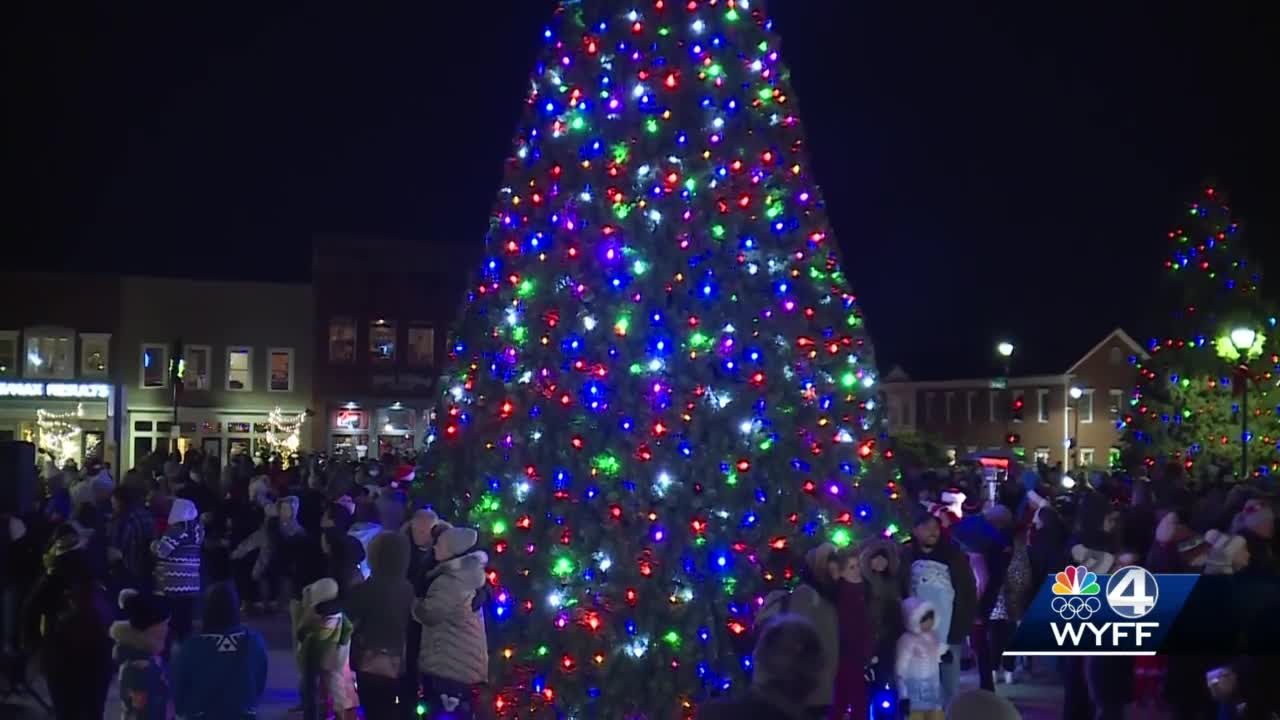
(177, 569)
(324, 649)
(140, 644)
(222, 672)
(916, 665)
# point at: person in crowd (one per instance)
(978, 704)
(454, 657)
(1255, 523)
(367, 526)
(1014, 593)
(986, 538)
(314, 501)
(339, 514)
(916, 662)
(222, 672)
(130, 532)
(879, 560)
(177, 564)
(344, 555)
(57, 498)
(379, 608)
(324, 649)
(94, 487)
(141, 638)
(935, 570)
(65, 622)
(787, 662)
(93, 533)
(421, 531)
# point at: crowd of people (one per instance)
(110, 579)
(385, 602)
(906, 618)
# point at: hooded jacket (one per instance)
(884, 599)
(917, 658)
(177, 552)
(380, 606)
(365, 532)
(220, 675)
(453, 635)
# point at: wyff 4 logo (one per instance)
(1132, 593)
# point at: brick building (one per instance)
(968, 415)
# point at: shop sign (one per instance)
(348, 420)
(59, 390)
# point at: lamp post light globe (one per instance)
(1005, 348)
(1242, 338)
(1076, 393)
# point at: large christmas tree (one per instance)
(661, 388)
(1190, 395)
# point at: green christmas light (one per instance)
(499, 527)
(841, 537)
(717, 231)
(606, 464)
(563, 567)
(526, 288)
(848, 380)
(672, 638)
(620, 152)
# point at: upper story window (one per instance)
(1085, 406)
(382, 341)
(155, 365)
(422, 345)
(1115, 356)
(970, 398)
(240, 368)
(50, 353)
(1042, 405)
(1115, 401)
(342, 340)
(8, 353)
(280, 369)
(95, 353)
(196, 371)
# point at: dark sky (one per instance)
(990, 168)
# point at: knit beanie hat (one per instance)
(976, 704)
(182, 510)
(456, 542)
(143, 610)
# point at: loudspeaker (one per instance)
(17, 477)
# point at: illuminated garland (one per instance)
(661, 390)
(1186, 405)
(59, 433)
(284, 433)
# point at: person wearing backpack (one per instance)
(65, 624)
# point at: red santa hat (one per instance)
(403, 475)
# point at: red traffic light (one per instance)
(1012, 438)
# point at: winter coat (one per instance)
(66, 619)
(453, 635)
(989, 552)
(945, 578)
(145, 693)
(884, 598)
(131, 534)
(220, 675)
(819, 605)
(380, 607)
(756, 704)
(324, 648)
(177, 552)
(855, 651)
(917, 657)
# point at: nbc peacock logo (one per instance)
(1076, 591)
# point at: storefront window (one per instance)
(49, 354)
(422, 345)
(395, 421)
(94, 354)
(240, 368)
(342, 340)
(8, 353)
(382, 341)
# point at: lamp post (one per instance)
(1242, 339)
(1076, 393)
(1004, 349)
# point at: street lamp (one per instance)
(1242, 339)
(1076, 393)
(1005, 348)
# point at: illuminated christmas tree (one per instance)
(661, 388)
(1189, 399)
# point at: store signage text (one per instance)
(62, 390)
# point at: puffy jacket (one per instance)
(453, 636)
(379, 607)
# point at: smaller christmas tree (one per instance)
(1215, 371)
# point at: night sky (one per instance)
(990, 168)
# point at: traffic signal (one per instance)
(1012, 439)
(1015, 412)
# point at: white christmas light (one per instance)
(638, 647)
(555, 599)
(589, 322)
(522, 490)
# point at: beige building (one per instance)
(970, 415)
